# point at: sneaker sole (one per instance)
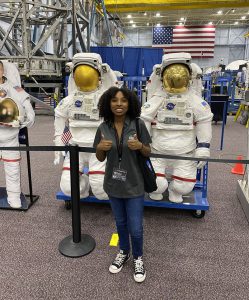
(115, 271)
(140, 279)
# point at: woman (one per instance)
(116, 140)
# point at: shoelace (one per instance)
(119, 259)
(139, 266)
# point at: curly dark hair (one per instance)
(134, 108)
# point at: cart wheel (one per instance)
(198, 214)
(68, 204)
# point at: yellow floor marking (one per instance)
(114, 240)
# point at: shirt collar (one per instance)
(126, 122)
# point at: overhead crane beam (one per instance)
(120, 6)
(169, 2)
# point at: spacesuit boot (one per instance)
(174, 196)
(14, 200)
(157, 197)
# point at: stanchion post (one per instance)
(76, 245)
(75, 193)
(29, 166)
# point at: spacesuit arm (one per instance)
(61, 117)
(203, 119)
(29, 114)
(150, 109)
(204, 135)
(59, 125)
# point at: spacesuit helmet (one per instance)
(9, 111)
(87, 71)
(176, 72)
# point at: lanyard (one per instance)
(119, 144)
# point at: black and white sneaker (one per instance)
(139, 273)
(118, 262)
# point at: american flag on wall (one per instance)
(66, 136)
(196, 40)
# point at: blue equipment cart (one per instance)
(196, 202)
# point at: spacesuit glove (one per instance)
(27, 124)
(57, 157)
(202, 153)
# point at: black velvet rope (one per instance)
(92, 150)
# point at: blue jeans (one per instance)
(128, 213)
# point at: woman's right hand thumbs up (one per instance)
(104, 145)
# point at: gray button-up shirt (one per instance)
(134, 184)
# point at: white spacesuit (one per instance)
(15, 112)
(246, 78)
(196, 81)
(79, 109)
(176, 116)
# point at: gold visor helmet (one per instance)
(176, 78)
(87, 71)
(9, 111)
(86, 78)
(176, 72)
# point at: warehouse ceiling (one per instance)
(147, 13)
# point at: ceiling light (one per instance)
(145, 14)
(233, 10)
(182, 19)
(148, 24)
(180, 23)
(210, 23)
(236, 23)
(129, 16)
(158, 25)
(219, 12)
(243, 18)
(222, 22)
(133, 25)
(131, 21)
(157, 14)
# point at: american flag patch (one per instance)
(66, 136)
(18, 88)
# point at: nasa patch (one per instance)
(78, 103)
(170, 106)
(204, 103)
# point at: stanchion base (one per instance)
(68, 248)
